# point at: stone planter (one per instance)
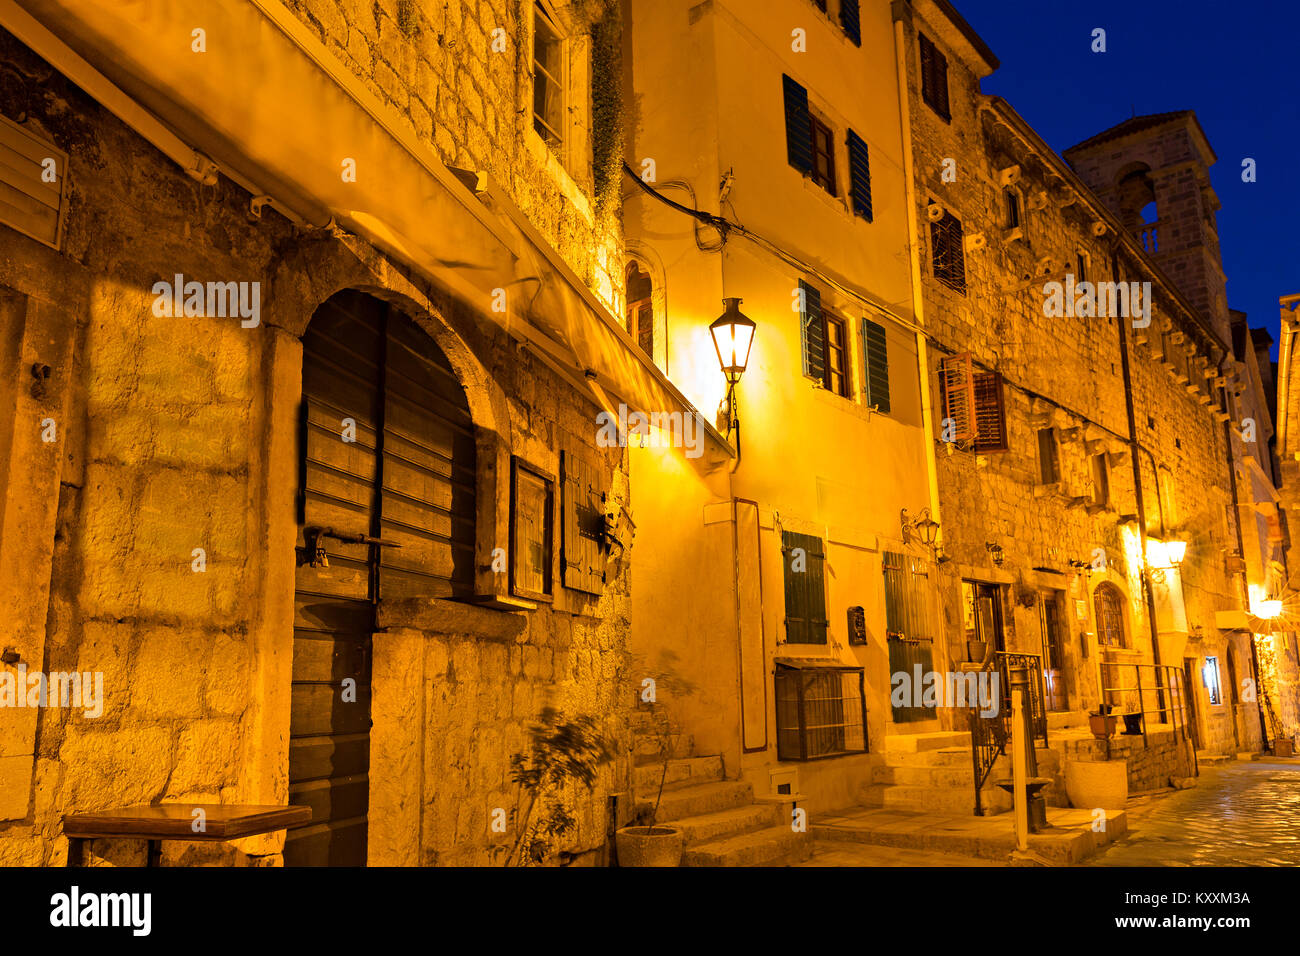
(1097, 783)
(649, 846)
(1282, 747)
(975, 651)
(1102, 727)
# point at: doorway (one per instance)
(385, 509)
(1193, 706)
(1049, 615)
(982, 611)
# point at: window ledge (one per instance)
(441, 616)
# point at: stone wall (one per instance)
(1151, 763)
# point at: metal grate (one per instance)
(821, 711)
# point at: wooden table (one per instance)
(176, 821)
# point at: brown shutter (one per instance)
(957, 381)
(583, 521)
(990, 416)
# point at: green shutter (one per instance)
(798, 130)
(875, 365)
(812, 333)
(859, 175)
(805, 591)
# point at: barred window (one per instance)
(934, 77)
(821, 711)
(947, 258)
(1109, 604)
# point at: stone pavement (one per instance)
(1239, 814)
(837, 853)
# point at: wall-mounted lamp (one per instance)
(733, 335)
(996, 551)
(1171, 553)
(921, 528)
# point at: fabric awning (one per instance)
(270, 104)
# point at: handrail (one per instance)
(988, 738)
(1170, 695)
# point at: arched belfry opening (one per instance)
(386, 510)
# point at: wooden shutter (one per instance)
(957, 383)
(1049, 470)
(948, 259)
(805, 591)
(907, 624)
(28, 203)
(990, 416)
(798, 132)
(813, 333)
(934, 77)
(851, 20)
(859, 176)
(875, 365)
(583, 523)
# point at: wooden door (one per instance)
(386, 455)
(1193, 706)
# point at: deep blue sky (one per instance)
(1237, 64)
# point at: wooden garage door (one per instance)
(387, 454)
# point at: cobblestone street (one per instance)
(1239, 814)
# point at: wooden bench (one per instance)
(176, 821)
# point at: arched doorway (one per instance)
(386, 463)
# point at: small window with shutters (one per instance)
(532, 531)
(33, 173)
(1049, 464)
(837, 356)
(859, 176)
(875, 366)
(823, 154)
(583, 525)
(934, 77)
(804, 557)
(851, 20)
(973, 407)
(947, 257)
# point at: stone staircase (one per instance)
(933, 773)
(721, 822)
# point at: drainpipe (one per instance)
(901, 11)
(1134, 448)
(1245, 580)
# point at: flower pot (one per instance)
(649, 846)
(1132, 725)
(1102, 727)
(1283, 747)
(1097, 783)
(975, 651)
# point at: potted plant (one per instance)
(648, 843)
(1101, 722)
(975, 651)
(1133, 724)
(1283, 747)
(562, 754)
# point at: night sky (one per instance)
(1236, 64)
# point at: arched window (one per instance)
(640, 307)
(1109, 603)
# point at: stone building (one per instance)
(1080, 434)
(309, 317)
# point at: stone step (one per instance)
(645, 746)
(1205, 758)
(771, 846)
(917, 743)
(955, 800)
(942, 757)
(692, 800)
(709, 827)
(1066, 719)
(960, 775)
(647, 773)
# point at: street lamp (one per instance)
(1173, 552)
(733, 335)
(923, 526)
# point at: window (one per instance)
(875, 366)
(640, 308)
(837, 358)
(804, 557)
(1049, 463)
(1100, 480)
(934, 77)
(1013, 209)
(973, 406)
(583, 528)
(947, 258)
(851, 20)
(1210, 674)
(982, 615)
(859, 176)
(1081, 268)
(532, 531)
(1109, 604)
(820, 711)
(823, 154)
(548, 79)
(32, 206)
(1168, 499)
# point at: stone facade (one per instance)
(178, 434)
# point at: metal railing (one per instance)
(989, 736)
(1155, 689)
